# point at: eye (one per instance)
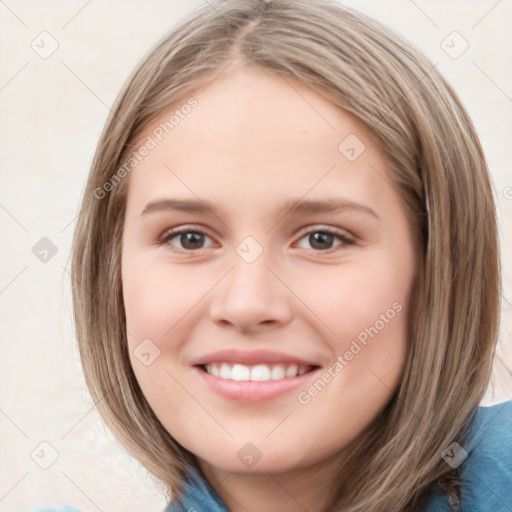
(189, 239)
(322, 239)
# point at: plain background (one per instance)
(52, 112)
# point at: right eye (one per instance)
(189, 239)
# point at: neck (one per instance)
(298, 490)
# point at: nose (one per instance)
(252, 297)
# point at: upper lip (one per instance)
(251, 358)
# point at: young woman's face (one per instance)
(221, 273)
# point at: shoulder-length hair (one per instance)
(438, 169)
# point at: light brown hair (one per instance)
(437, 167)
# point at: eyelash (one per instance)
(346, 240)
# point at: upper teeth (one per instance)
(259, 372)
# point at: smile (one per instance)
(256, 373)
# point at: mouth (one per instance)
(246, 384)
(255, 373)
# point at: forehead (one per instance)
(253, 134)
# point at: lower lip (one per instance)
(253, 391)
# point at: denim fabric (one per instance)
(487, 471)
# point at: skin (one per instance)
(252, 143)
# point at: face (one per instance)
(266, 266)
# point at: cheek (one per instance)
(351, 298)
(365, 310)
(157, 298)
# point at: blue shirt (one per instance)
(486, 472)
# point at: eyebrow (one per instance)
(290, 206)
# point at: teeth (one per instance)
(277, 373)
(240, 372)
(259, 372)
(291, 371)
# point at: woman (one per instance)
(286, 270)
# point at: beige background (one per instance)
(52, 112)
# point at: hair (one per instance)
(437, 167)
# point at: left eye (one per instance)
(189, 240)
(323, 239)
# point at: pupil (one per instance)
(191, 240)
(321, 240)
